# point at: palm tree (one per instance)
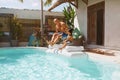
(48, 2)
(69, 13)
(21, 0)
(41, 13)
(42, 32)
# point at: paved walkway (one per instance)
(100, 54)
(104, 55)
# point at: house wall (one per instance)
(81, 18)
(28, 18)
(112, 18)
(29, 14)
(112, 23)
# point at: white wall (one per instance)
(81, 18)
(29, 14)
(112, 23)
(21, 13)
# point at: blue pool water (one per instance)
(36, 64)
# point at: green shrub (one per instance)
(16, 29)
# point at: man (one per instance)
(69, 38)
(61, 31)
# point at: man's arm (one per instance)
(69, 38)
(56, 30)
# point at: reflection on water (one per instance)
(10, 55)
(86, 66)
(34, 64)
(95, 70)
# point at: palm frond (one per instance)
(48, 2)
(69, 13)
(21, 0)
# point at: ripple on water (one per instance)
(52, 67)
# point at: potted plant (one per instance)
(16, 31)
(70, 14)
(78, 38)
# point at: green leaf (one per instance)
(48, 2)
(69, 14)
(21, 0)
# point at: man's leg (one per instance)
(54, 39)
(54, 36)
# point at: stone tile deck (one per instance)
(108, 55)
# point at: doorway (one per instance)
(95, 28)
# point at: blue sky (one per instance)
(27, 4)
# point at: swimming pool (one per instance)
(36, 64)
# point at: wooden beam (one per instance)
(85, 1)
(59, 2)
(75, 3)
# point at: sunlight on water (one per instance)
(35, 64)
